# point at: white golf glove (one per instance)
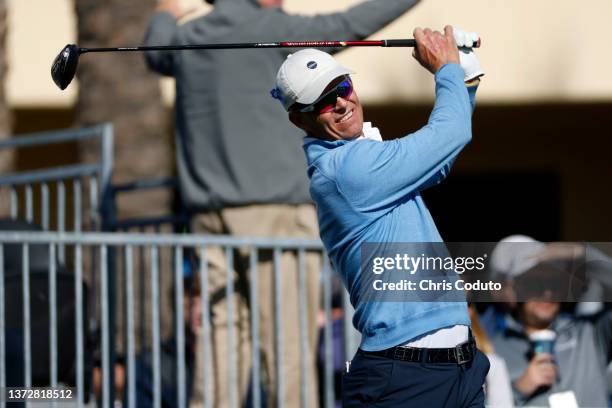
(469, 61)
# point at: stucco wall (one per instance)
(533, 51)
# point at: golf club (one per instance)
(65, 64)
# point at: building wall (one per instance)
(543, 50)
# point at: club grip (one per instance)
(412, 43)
(400, 43)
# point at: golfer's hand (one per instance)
(468, 59)
(434, 49)
(541, 372)
(172, 7)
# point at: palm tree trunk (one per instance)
(118, 88)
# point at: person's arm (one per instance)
(445, 170)
(472, 73)
(603, 328)
(598, 270)
(356, 23)
(375, 175)
(590, 264)
(541, 372)
(162, 30)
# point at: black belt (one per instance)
(461, 354)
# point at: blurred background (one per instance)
(538, 163)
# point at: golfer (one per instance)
(412, 354)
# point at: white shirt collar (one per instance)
(369, 132)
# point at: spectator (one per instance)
(240, 164)
(575, 373)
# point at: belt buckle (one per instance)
(462, 358)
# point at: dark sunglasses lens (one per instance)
(326, 102)
(342, 90)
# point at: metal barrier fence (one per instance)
(83, 178)
(24, 244)
(178, 220)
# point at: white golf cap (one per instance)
(304, 75)
(515, 255)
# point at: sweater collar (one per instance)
(315, 148)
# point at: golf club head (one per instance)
(65, 65)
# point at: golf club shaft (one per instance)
(283, 44)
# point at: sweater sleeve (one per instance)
(374, 175)
(445, 170)
(356, 23)
(162, 30)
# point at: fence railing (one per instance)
(178, 219)
(23, 244)
(91, 179)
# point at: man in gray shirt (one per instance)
(240, 165)
(574, 374)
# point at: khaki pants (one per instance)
(261, 221)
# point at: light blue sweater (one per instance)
(369, 191)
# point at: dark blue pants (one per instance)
(375, 381)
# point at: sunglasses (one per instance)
(327, 101)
